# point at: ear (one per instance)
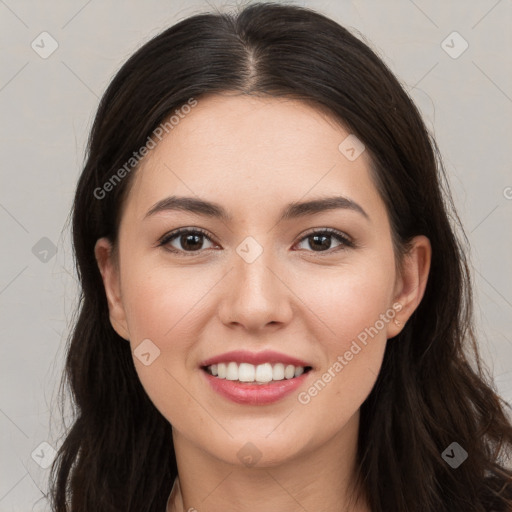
(411, 283)
(110, 273)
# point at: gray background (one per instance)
(47, 106)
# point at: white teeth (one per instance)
(298, 371)
(262, 373)
(232, 371)
(278, 371)
(246, 372)
(289, 372)
(221, 369)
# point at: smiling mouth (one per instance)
(246, 373)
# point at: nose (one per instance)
(255, 294)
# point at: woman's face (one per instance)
(257, 279)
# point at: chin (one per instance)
(259, 450)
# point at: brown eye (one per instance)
(321, 241)
(191, 242)
(185, 240)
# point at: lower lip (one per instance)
(255, 394)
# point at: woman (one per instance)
(276, 309)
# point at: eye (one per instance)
(188, 240)
(191, 240)
(321, 240)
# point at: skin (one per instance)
(254, 155)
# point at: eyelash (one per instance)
(340, 237)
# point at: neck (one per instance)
(318, 479)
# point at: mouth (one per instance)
(250, 374)
(255, 378)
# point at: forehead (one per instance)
(234, 148)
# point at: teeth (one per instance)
(289, 372)
(278, 372)
(221, 369)
(246, 372)
(262, 373)
(232, 371)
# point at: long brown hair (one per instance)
(118, 455)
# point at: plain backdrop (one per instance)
(47, 105)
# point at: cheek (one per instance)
(351, 309)
(161, 304)
(353, 347)
(160, 301)
(165, 305)
(347, 301)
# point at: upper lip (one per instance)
(255, 358)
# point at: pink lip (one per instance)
(254, 394)
(243, 356)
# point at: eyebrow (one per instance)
(291, 211)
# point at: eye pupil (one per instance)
(196, 241)
(323, 245)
